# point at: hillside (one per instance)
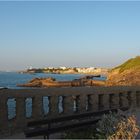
(127, 74)
(130, 64)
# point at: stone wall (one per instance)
(71, 100)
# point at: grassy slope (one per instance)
(131, 63)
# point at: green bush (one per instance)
(131, 63)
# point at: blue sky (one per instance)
(68, 33)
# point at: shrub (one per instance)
(111, 126)
(117, 126)
(126, 129)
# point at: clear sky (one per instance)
(68, 33)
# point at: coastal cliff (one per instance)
(127, 74)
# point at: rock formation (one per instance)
(127, 74)
(51, 82)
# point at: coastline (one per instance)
(67, 70)
(87, 73)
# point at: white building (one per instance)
(63, 68)
(86, 70)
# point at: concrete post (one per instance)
(132, 99)
(53, 106)
(82, 103)
(123, 100)
(101, 102)
(37, 107)
(105, 102)
(68, 105)
(20, 113)
(3, 116)
(114, 101)
(94, 102)
(138, 98)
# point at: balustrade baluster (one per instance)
(82, 103)
(114, 101)
(68, 104)
(93, 102)
(123, 100)
(105, 101)
(132, 99)
(101, 104)
(37, 107)
(138, 98)
(3, 115)
(20, 112)
(53, 106)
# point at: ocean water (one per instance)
(11, 79)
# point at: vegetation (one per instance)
(117, 126)
(111, 126)
(52, 70)
(131, 63)
(126, 129)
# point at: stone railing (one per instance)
(32, 104)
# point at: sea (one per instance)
(11, 79)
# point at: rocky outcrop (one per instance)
(37, 82)
(127, 74)
(51, 82)
(127, 78)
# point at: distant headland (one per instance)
(68, 70)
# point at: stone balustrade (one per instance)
(59, 102)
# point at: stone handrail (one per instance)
(73, 100)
